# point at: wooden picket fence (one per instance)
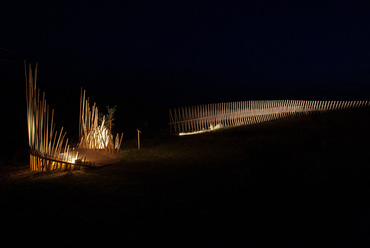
(48, 149)
(41, 164)
(91, 134)
(192, 119)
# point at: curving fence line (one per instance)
(49, 150)
(201, 118)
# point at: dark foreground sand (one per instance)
(297, 182)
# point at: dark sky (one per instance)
(189, 52)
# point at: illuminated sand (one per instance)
(211, 128)
(100, 157)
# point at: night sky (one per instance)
(175, 53)
(194, 51)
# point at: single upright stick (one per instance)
(138, 139)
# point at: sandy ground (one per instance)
(301, 182)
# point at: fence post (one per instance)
(138, 139)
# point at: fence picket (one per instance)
(202, 117)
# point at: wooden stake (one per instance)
(138, 139)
